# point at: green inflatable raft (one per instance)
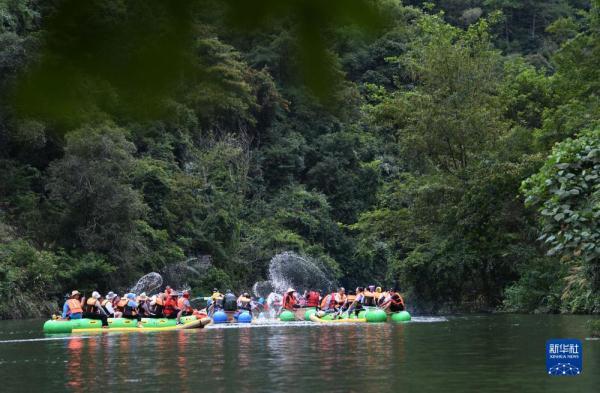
(122, 324)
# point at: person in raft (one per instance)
(290, 302)
(216, 302)
(144, 309)
(394, 304)
(72, 308)
(313, 298)
(130, 309)
(329, 303)
(171, 309)
(184, 305)
(108, 305)
(356, 305)
(92, 309)
(243, 302)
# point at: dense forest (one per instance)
(450, 148)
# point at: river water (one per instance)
(496, 353)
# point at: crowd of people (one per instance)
(168, 304)
(337, 301)
(172, 304)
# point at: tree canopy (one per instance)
(447, 148)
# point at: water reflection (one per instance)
(454, 356)
(74, 365)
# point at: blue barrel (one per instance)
(245, 317)
(220, 317)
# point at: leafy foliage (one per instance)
(393, 142)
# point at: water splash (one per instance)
(262, 289)
(149, 283)
(289, 269)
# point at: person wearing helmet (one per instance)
(72, 308)
(92, 309)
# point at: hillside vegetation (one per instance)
(450, 148)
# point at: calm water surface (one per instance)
(458, 354)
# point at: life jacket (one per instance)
(181, 305)
(90, 305)
(328, 302)
(74, 306)
(312, 299)
(170, 307)
(289, 301)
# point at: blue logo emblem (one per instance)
(564, 357)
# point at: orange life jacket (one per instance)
(74, 306)
(181, 305)
(312, 300)
(289, 301)
(328, 302)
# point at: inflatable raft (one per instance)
(315, 318)
(123, 325)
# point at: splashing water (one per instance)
(262, 288)
(149, 283)
(289, 269)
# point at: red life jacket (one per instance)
(312, 300)
(170, 307)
